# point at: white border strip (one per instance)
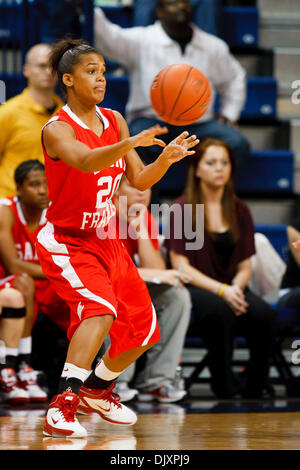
(153, 326)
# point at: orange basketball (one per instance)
(180, 94)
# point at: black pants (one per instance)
(291, 299)
(217, 324)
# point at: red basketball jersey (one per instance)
(23, 238)
(83, 201)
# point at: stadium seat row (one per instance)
(260, 103)
(240, 24)
(266, 171)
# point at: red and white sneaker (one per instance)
(61, 417)
(10, 390)
(106, 404)
(27, 380)
(164, 394)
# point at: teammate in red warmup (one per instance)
(87, 150)
(21, 218)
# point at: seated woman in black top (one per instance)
(223, 305)
(289, 294)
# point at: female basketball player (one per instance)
(87, 150)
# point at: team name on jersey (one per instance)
(105, 208)
(119, 164)
(26, 252)
(97, 219)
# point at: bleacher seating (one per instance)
(260, 103)
(240, 26)
(118, 90)
(261, 98)
(13, 44)
(119, 15)
(267, 171)
(276, 234)
(20, 27)
(12, 21)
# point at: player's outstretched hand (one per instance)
(180, 147)
(296, 244)
(147, 137)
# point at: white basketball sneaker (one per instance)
(125, 392)
(61, 417)
(11, 392)
(27, 379)
(106, 403)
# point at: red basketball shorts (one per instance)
(98, 277)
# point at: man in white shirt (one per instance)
(144, 51)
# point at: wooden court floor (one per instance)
(21, 429)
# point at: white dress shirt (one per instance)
(144, 51)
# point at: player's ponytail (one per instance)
(66, 54)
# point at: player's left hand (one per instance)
(147, 137)
(179, 148)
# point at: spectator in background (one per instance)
(21, 218)
(223, 304)
(144, 51)
(139, 232)
(206, 14)
(23, 116)
(289, 293)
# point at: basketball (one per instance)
(180, 94)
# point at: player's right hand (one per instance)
(147, 137)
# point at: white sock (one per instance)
(70, 370)
(104, 373)
(25, 345)
(11, 351)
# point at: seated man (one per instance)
(139, 232)
(21, 218)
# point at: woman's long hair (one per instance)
(193, 193)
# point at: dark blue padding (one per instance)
(14, 84)
(267, 171)
(117, 93)
(261, 101)
(261, 98)
(240, 26)
(277, 236)
(12, 21)
(121, 16)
